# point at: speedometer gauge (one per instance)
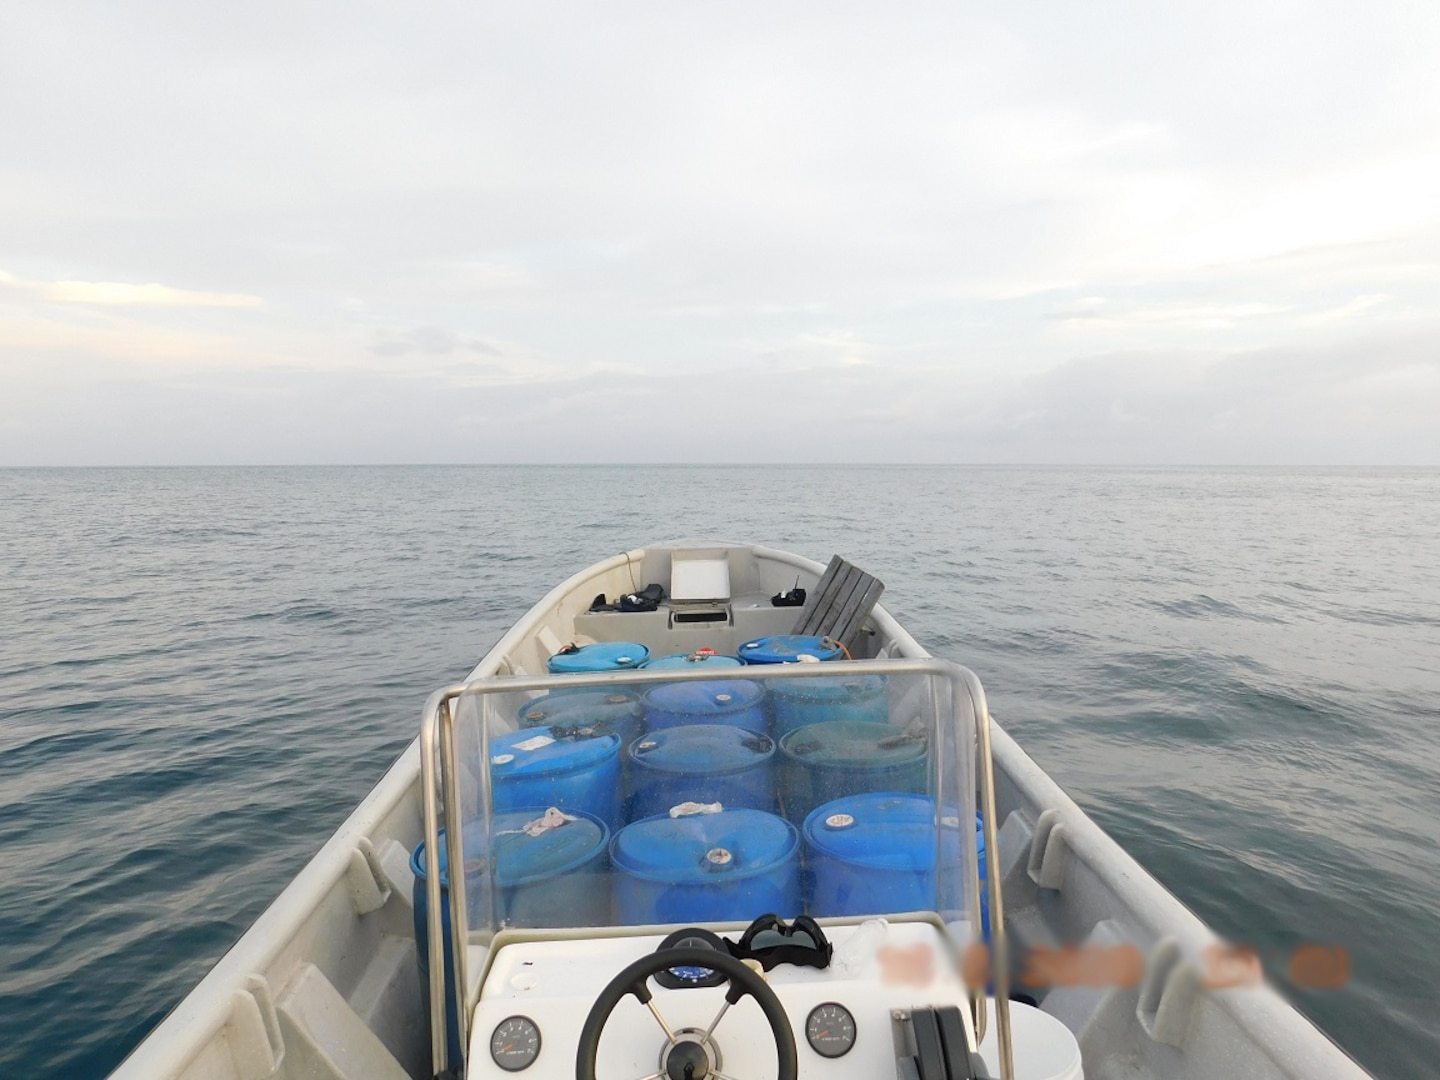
(830, 1030)
(515, 1044)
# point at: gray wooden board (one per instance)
(856, 609)
(824, 596)
(843, 599)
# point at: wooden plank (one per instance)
(842, 601)
(834, 575)
(820, 599)
(850, 589)
(848, 626)
(844, 612)
(831, 598)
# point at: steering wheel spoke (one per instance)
(716, 1022)
(670, 1035)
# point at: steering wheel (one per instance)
(689, 1054)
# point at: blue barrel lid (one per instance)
(526, 850)
(531, 753)
(701, 848)
(602, 708)
(602, 656)
(880, 830)
(787, 648)
(474, 848)
(522, 855)
(720, 698)
(831, 690)
(858, 744)
(705, 749)
(692, 661)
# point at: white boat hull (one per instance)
(325, 983)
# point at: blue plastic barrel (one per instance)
(696, 661)
(701, 763)
(599, 710)
(871, 855)
(984, 889)
(821, 762)
(553, 878)
(737, 702)
(787, 648)
(602, 656)
(798, 702)
(727, 867)
(576, 771)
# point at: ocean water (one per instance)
(1236, 672)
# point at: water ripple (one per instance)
(204, 670)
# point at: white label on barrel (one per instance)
(839, 821)
(502, 759)
(534, 744)
(553, 818)
(721, 699)
(622, 659)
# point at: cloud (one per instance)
(984, 234)
(1364, 401)
(429, 340)
(1097, 312)
(124, 294)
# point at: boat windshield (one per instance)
(664, 798)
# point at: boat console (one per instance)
(621, 827)
(537, 996)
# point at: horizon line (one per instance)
(728, 465)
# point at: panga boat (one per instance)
(706, 832)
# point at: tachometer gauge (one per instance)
(515, 1044)
(830, 1030)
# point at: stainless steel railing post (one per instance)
(1000, 952)
(454, 842)
(429, 738)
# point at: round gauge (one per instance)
(830, 1030)
(515, 1044)
(683, 978)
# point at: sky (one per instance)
(1037, 232)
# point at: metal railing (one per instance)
(439, 768)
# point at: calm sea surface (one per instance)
(1236, 672)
